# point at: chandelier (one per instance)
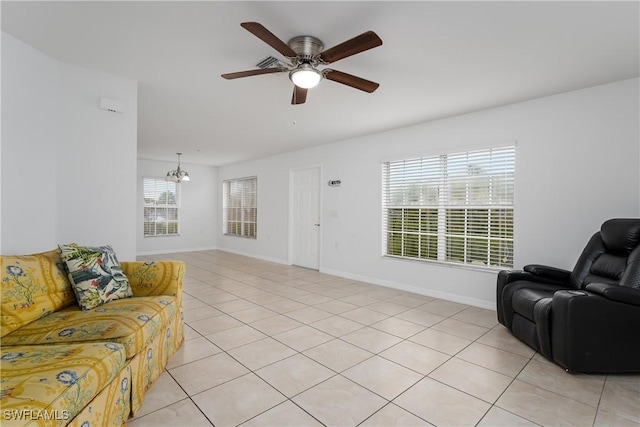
(177, 174)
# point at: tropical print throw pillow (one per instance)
(95, 274)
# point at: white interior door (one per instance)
(306, 218)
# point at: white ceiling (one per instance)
(438, 59)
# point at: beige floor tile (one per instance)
(493, 358)
(410, 300)
(336, 307)
(364, 315)
(184, 413)
(475, 380)
(497, 417)
(192, 303)
(236, 284)
(190, 334)
(337, 326)
(339, 402)
(398, 327)
(214, 324)
(478, 316)
(360, 299)
(217, 298)
(544, 407)
(443, 342)
(383, 293)
(204, 312)
(294, 374)
(235, 337)
(607, 419)
(383, 377)
(461, 329)
(583, 388)
(393, 415)
(415, 356)
(338, 355)
(630, 381)
(389, 308)
(420, 317)
(286, 414)
(621, 401)
(219, 368)
(309, 314)
(238, 401)
(261, 353)
(234, 305)
(442, 307)
(311, 299)
(253, 314)
(303, 338)
(276, 324)
(442, 405)
(284, 306)
(500, 337)
(371, 339)
(165, 392)
(193, 350)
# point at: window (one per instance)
(239, 207)
(454, 208)
(161, 206)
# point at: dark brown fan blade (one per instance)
(299, 95)
(257, 72)
(364, 41)
(349, 80)
(269, 38)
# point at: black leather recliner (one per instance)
(585, 320)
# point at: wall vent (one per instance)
(270, 62)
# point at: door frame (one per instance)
(292, 172)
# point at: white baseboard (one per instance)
(175, 251)
(411, 288)
(261, 257)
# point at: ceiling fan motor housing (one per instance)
(307, 48)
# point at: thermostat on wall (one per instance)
(112, 105)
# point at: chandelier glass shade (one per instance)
(177, 175)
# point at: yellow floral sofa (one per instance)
(60, 365)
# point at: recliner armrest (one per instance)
(558, 275)
(616, 292)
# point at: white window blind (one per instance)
(161, 207)
(454, 208)
(239, 207)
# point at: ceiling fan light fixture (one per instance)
(305, 76)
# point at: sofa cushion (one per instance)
(132, 322)
(57, 381)
(32, 286)
(95, 274)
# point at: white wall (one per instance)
(198, 213)
(576, 165)
(76, 163)
(30, 137)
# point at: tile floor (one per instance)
(274, 345)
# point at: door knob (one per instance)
(317, 225)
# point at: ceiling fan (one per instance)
(304, 54)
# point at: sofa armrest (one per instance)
(591, 333)
(551, 273)
(155, 278)
(616, 292)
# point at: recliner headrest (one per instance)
(621, 235)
